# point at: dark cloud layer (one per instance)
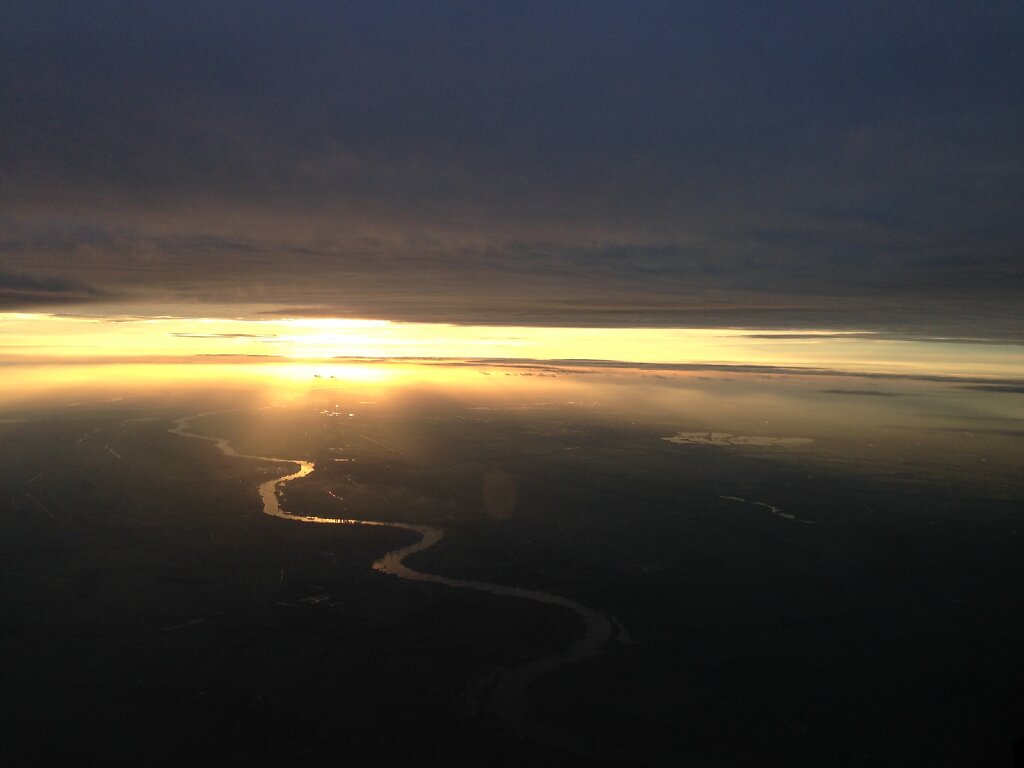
(621, 163)
(19, 290)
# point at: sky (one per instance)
(795, 165)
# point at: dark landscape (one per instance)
(854, 600)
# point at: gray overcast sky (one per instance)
(774, 164)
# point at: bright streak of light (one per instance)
(129, 334)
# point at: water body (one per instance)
(777, 511)
(508, 695)
(724, 438)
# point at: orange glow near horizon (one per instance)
(43, 338)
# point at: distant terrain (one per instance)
(851, 597)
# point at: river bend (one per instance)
(508, 693)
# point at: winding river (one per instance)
(507, 694)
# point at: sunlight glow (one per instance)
(169, 335)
